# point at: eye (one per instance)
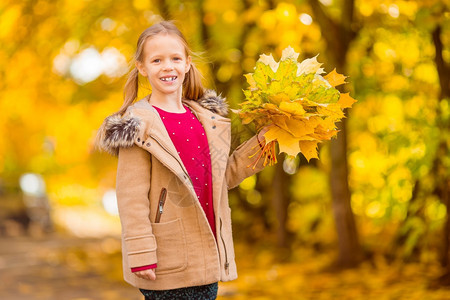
(177, 58)
(157, 60)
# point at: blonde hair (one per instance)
(192, 85)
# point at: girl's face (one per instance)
(164, 63)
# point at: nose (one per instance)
(168, 66)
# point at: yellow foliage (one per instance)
(278, 99)
(250, 80)
(294, 108)
(8, 20)
(301, 128)
(310, 65)
(309, 149)
(286, 12)
(287, 142)
(334, 78)
(426, 72)
(345, 100)
(248, 183)
(267, 20)
(300, 103)
(289, 53)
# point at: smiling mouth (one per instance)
(168, 78)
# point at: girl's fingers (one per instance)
(147, 274)
(152, 275)
(263, 131)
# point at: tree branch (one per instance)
(163, 9)
(325, 22)
(442, 67)
(347, 14)
(337, 35)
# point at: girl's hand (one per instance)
(146, 274)
(262, 132)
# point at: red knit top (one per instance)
(189, 138)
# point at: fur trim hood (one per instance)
(121, 131)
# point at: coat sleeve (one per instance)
(238, 162)
(132, 188)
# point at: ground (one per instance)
(64, 267)
(52, 268)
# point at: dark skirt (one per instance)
(203, 292)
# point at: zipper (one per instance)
(162, 200)
(226, 265)
(170, 153)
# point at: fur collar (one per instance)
(121, 131)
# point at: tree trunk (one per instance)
(349, 248)
(441, 174)
(338, 37)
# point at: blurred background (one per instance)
(370, 219)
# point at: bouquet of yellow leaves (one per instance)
(300, 105)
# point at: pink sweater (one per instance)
(189, 138)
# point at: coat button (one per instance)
(148, 144)
(139, 139)
(213, 117)
(214, 127)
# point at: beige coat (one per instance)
(181, 243)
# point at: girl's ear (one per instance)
(141, 68)
(188, 64)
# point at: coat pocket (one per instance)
(161, 202)
(171, 248)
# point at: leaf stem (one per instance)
(268, 152)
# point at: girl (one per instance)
(173, 173)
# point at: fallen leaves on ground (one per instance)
(261, 278)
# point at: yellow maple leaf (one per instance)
(345, 100)
(309, 149)
(299, 128)
(308, 138)
(269, 60)
(332, 110)
(334, 78)
(247, 119)
(289, 53)
(314, 121)
(280, 121)
(308, 66)
(279, 98)
(320, 81)
(270, 106)
(251, 81)
(275, 87)
(295, 108)
(328, 124)
(270, 109)
(286, 141)
(320, 134)
(271, 134)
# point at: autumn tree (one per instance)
(338, 35)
